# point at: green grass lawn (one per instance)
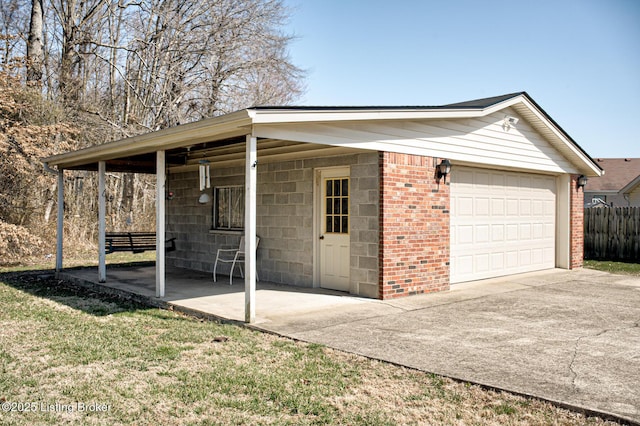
(81, 259)
(613, 267)
(74, 357)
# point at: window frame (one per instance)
(215, 208)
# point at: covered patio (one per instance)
(195, 293)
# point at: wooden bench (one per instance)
(136, 242)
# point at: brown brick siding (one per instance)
(414, 227)
(577, 224)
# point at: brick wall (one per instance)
(414, 226)
(576, 224)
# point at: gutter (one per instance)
(48, 169)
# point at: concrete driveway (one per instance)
(567, 336)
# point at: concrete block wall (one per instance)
(190, 222)
(285, 197)
(284, 223)
(364, 227)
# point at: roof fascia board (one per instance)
(561, 135)
(601, 191)
(275, 116)
(284, 115)
(173, 137)
(631, 186)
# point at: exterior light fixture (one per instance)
(582, 181)
(444, 168)
(509, 122)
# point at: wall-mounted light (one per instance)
(582, 181)
(444, 168)
(509, 122)
(204, 198)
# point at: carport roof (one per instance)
(136, 153)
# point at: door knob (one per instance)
(322, 237)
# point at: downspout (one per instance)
(60, 216)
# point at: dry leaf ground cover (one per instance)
(72, 357)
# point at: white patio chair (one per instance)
(232, 256)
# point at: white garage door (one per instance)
(502, 223)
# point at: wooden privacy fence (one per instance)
(612, 233)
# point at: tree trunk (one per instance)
(35, 47)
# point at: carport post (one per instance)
(250, 180)
(160, 197)
(60, 223)
(102, 268)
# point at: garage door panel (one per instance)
(537, 208)
(482, 263)
(482, 234)
(497, 260)
(549, 230)
(524, 258)
(512, 260)
(482, 207)
(525, 208)
(497, 233)
(549, 256)
(497, 207)
(512, 232)
(501, 223)
(465, 206)
(465, 264)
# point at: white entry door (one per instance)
(334, 218)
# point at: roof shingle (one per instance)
(619, 172)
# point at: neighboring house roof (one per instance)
(280, 123)
(621, 175)
(631, 186)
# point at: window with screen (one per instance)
(228, 207)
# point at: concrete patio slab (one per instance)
(572, 337)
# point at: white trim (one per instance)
(306, 116)
(563, 221)
(560, 135)
(102, 262)
(60, 222)
(251, 175)
(160, 223)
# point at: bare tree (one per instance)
(115, 68)
(194, 60)
(35, 47)
(12, 18)
(76, 21)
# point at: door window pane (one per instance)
(337, 205)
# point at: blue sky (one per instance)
(578, 59)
